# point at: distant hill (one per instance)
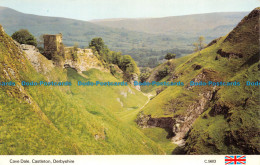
(204, 24)
(139, 38)
(72, 30)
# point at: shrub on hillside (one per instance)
(163, 72)
(170, 56)
(23, 36)
(125, 62)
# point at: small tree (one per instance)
(198, 46)
(23, 36)
(116, 58)
(76, 46)
(74, 52)
(144, 76)
(163, 72)
(201, 42)
(170, 56)
(97, 43)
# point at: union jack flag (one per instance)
(235, 160)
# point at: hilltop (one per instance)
(210, 24)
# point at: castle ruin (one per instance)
(52, 44)
(78, 59)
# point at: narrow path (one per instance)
(149, 96)
(130, 115)
(83, 75)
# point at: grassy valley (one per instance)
(107, 120)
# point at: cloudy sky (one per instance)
(101, 9)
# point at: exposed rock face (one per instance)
(219, 110)
(229, 54)
(179, 125)
(39, 62)
(2, 29)
(134, 78)
(85, 60)
(196, 66)
(163, 122)
(183, 123)
(146, 121)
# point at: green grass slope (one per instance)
(65, 120)
(228, 122)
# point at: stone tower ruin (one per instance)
(52, 44)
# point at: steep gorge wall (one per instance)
(220, 119)
(179, 125)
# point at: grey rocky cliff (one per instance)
(179, 125)
(134, 78)
(85, 60)
(38, 61)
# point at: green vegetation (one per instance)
(198, 46)
(153, 57)
(159, 136)
(163, 73)
(23, 36)
(98, 44)
(145, 74)
(170, 56)
(124, 62)
(74, 52)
